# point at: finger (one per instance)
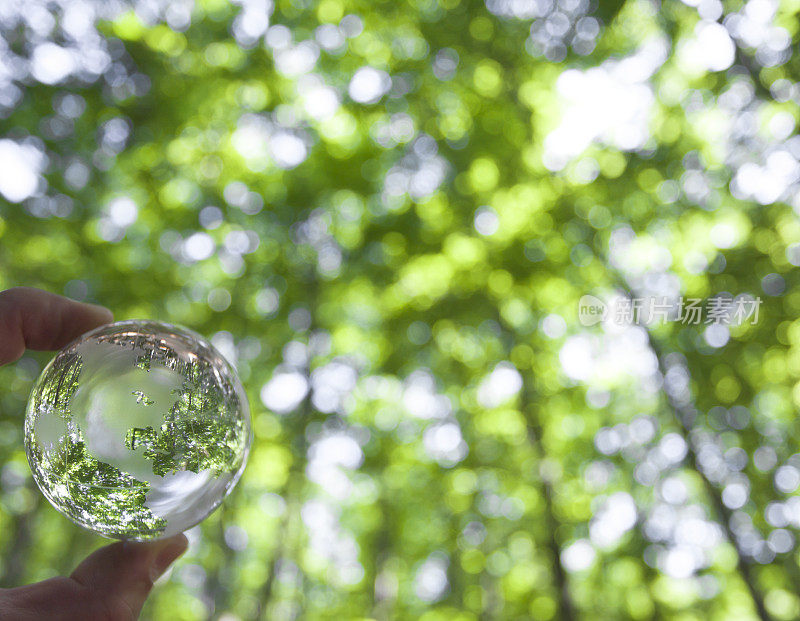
(122, 574)
(35, 319)
(112, 583)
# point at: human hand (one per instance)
(113, 582)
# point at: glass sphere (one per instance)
(137, 430)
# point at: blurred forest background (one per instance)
(385, 213)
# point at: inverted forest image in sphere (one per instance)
(137, 430)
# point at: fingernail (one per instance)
(171, 550)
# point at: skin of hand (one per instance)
(113, 582)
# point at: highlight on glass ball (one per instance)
(137, 430)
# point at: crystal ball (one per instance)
(137, 430)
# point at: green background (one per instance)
(411, 240)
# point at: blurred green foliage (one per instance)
(400, 205)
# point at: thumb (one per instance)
(122, 574)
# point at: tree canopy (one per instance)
(385, 215)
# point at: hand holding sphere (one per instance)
(114, 581)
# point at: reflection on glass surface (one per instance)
(137, 430)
